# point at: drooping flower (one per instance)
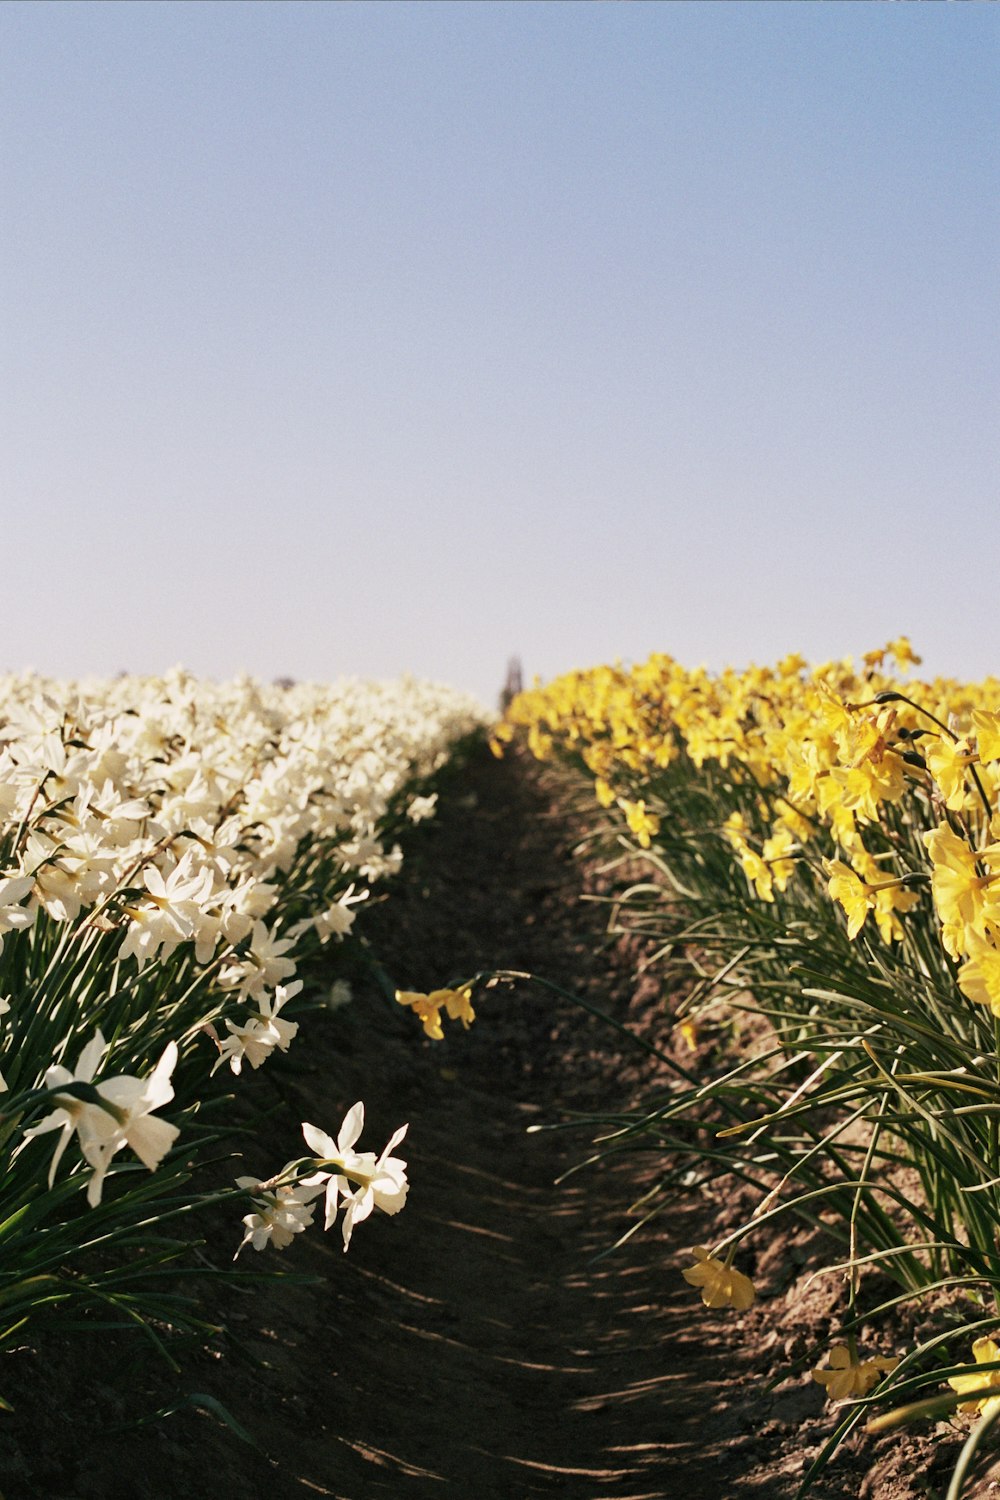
(281, 1213)
(257, 1038)
(979, 976)
(338, 919)
(69, 1114)
(846, 887)
(645, 825)
(127, 1120)
(848, 1376)
(130, 1122)
(359, 1180)
(721, 1285)
(457, 1002)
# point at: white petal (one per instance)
(352, 1127)
(90, 1058)
(319, 1142)
(158, 1087)
(151, 1139)
(394, 1140)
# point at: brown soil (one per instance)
(472, 1346)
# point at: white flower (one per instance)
(131, 1122)
(421, 808)
(71, 1112)
(103, 1132)
(338, 995)
(264, 967)
(282, 1213)
(338, 919)
(258, 1037)
(172, 912)
(13, 889)
(361, 1181)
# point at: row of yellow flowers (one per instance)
(859, 813)
(831, 746)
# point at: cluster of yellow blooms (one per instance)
(829, 749)
(884, 793)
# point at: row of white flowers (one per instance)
(171, 850)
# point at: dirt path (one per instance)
(470, 1348)
(497, 1361)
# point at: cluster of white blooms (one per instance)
(356, 1181)
(170, 850)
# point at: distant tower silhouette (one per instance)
(513, 685)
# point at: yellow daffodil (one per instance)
(721, 1285)
(948, 761)
(604, 792)
(987, 727)
(851, 892)
(986, 1352)
(775, 854)
(426, 1008)
(965, 903)
(645, 825)
(457, 1002)
(979, 976)
(847, 1376)
(689, 1031)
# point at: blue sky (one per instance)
(373, 338)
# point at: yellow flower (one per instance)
(758, 872)
(604, 792)
(847, 1376)
(775, 855)
(458, 1004)
(987, 727)
(986, 1352)
(689, 1031)
(501, 735)
(851, 891)
(947, 761)
(720, 1285)
(425, 1007)
(904, 653)
(643, 824)
(979, 976)
(964, 902)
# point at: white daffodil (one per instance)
(127, 1121)
(422, 807)
(257, 1038)
(13, 916)
(281, 1214)
(360, 1180)
(71, 1113)
(338, 919)
(264, 967)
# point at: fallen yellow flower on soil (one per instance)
(986, 1352)
(847, 1376)
(721, 1285)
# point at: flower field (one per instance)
(812, 857)
(177, 857)
(769, 1038)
